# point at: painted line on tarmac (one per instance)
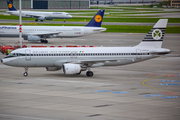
(103, 91)
(159, 77)
(170, 93)
(168, 84)
(170, 75)
(170, 81)
(155, 95)
(120, 92)
(170, 97)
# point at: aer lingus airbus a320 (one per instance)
(40, 33)
(38, 15)
(75, 60)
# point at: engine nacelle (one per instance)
(53, 68)
(41, 18)
(71, 69)
(49, 18)
(33, 38)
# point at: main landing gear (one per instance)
(89, 73)
(26, 72)
(44, 41)
(37, 20)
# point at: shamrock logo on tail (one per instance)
(157, 34)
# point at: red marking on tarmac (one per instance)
(170, 75)
(152, 74)
(171, 93)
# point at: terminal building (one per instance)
(175, 3)
(122, 1)
(48, 4)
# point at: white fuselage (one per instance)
(49, 31)
(47, 15)
(94, 57)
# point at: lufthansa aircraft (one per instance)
(75, 60)
(38, 15)
(40, 33)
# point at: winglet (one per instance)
(97, 19)
(10, 6)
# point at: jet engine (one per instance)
(49, 18)
(41, 18)
(71, 68)
(53, 68)
(33, 38)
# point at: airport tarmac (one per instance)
(147, 90)
(84, 23)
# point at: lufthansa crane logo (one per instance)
(10, 5)
(98, 18)
(156, 34)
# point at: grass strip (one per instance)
(81, 19)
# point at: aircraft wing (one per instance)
(98, 63)
(33, 16)
(45, 34)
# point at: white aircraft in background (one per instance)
(75, 60)
(38, 15)
(40, 33)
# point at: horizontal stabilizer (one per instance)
(161, 51)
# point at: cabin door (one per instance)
(28, 55)
(138, 51)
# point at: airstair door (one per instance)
(138, 53)
(28, 55)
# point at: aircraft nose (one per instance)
(70, 16)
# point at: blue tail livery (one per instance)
(10, 6)
(97, 19)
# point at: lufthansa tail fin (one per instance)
(97, 19)
(155, 37)
(10, 6)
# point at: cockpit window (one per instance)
(12, 55)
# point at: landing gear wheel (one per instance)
(36, 20)
(89, 73)
(41, 20)
(26, 71)
(42, 41)
(45, 41)
(25, 74)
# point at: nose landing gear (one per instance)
(26, 72)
